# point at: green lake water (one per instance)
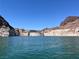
(39, 48)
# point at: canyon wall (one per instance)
(68, 27)
(5, 28)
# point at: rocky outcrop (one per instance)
(17, 31)
(21, 32)
(69, 27)
(5, 25)
(62, 32)
(70, 22)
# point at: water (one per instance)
(39, 48)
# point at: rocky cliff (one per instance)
(69, 26)
(21, 32)
(70, 22)
(4, 24)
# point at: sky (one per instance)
(37, 14)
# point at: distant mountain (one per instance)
(71, 22)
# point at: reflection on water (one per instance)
(39, 48)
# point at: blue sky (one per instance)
(37, 14)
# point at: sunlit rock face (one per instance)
(5, 28)
(34, 33)
(58, 32)
(4, 31)
(70, 22)
(69, 27)
(21, 32)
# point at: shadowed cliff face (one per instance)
(71, 22)
(4, 23)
